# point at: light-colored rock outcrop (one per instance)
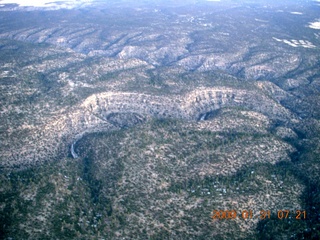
(111, 110)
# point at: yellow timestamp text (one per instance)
(262, 214)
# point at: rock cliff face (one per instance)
(113, 110)
(191, 106)
(202, 101)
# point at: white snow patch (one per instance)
(314, 25)
(296, 13)
(296, 43)
(260, 20)
(290, 43)
(277, 39)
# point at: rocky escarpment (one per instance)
(113, 110)
(191, 106)
(203, 101)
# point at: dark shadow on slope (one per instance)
(296, 226)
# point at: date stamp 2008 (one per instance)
(263, 214)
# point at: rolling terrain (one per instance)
(126, 120)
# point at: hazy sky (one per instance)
(57, 3)
(54, 4)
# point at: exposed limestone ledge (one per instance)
(93, 114)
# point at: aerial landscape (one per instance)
(159, 119)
